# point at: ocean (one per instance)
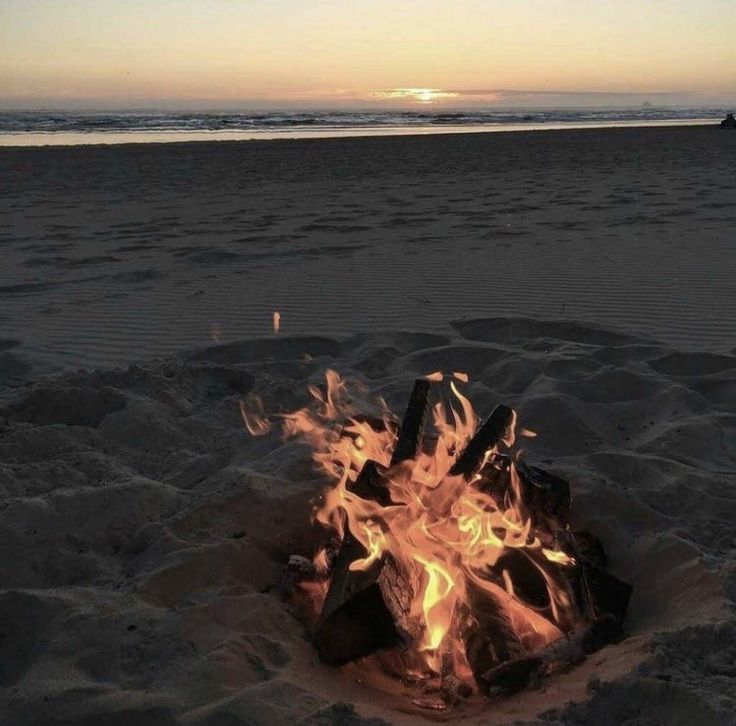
(22, 128)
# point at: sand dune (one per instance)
(144, 531)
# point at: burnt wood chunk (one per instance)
(545, 494)
(514, 675)
(590, 548)
(365, 610)
(491, 433)
(412, 426)
(488, 636)
(573, 576)
(608, 594)
(597, 592)
(371, 484)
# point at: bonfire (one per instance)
(442, 555)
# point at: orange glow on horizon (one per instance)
(336, 54)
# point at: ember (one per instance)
(446, 548)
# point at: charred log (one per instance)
(495, 478)
(597, 592)
(412, 426)
(371, 484)
(608, 595)
(365, 610)
(545, 494)
(368, 610)
(488, 636)
(496, 428)
(516, 674)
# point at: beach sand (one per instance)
(583, 277)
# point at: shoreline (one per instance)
(23, 139)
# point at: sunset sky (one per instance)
(326, 53)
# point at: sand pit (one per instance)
(144, 532)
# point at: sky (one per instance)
(358, 53)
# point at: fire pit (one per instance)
(443, 556)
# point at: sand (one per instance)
(143, 532)
(113, 254)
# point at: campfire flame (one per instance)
(443, 529)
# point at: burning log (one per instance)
(489, 637)
(543, 493)
(365, 610)
(514, 675)
(529, 585)
(497, 427)
(597, 592)
(412, 426)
